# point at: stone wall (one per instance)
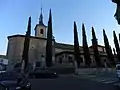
(36, 49)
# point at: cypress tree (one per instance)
(114, 51)
(116, 45)
(115, 55)
(108, 50)
(26, 44)
(49, 42)
(119, 37)
(85, 48)
(76, 46)
(95, 49)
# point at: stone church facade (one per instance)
(62, 53)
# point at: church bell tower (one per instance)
(40, 29)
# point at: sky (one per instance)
(97, 13)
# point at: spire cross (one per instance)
(41, 17)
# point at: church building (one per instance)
(62, 53)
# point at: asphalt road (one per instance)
(70, 83)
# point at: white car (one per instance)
(118, 70)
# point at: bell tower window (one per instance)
(40, 28)
(41, 31)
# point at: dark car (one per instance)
(43, 73)
(9, 81)
(12, 85)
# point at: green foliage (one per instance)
(116, 45)
(108, 50)
(49, 42)
(76, 46)
(26, 44)
(85, 48)
(95, 49)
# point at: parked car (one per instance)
(118, 70)
(12, 85)
(9, 81)
(38, 73)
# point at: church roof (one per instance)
(40, 24)
(98, 46)
(65, 46)
(3, 56)
(81, 53)
(64, 52)
(12, 36)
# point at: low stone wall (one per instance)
(63, 69)
(96, 71)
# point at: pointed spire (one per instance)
(50, 16)
(41, 17)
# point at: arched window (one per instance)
(70, 59)
(81, 60)
(37, 64)
(60, 60)
(41, 31)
